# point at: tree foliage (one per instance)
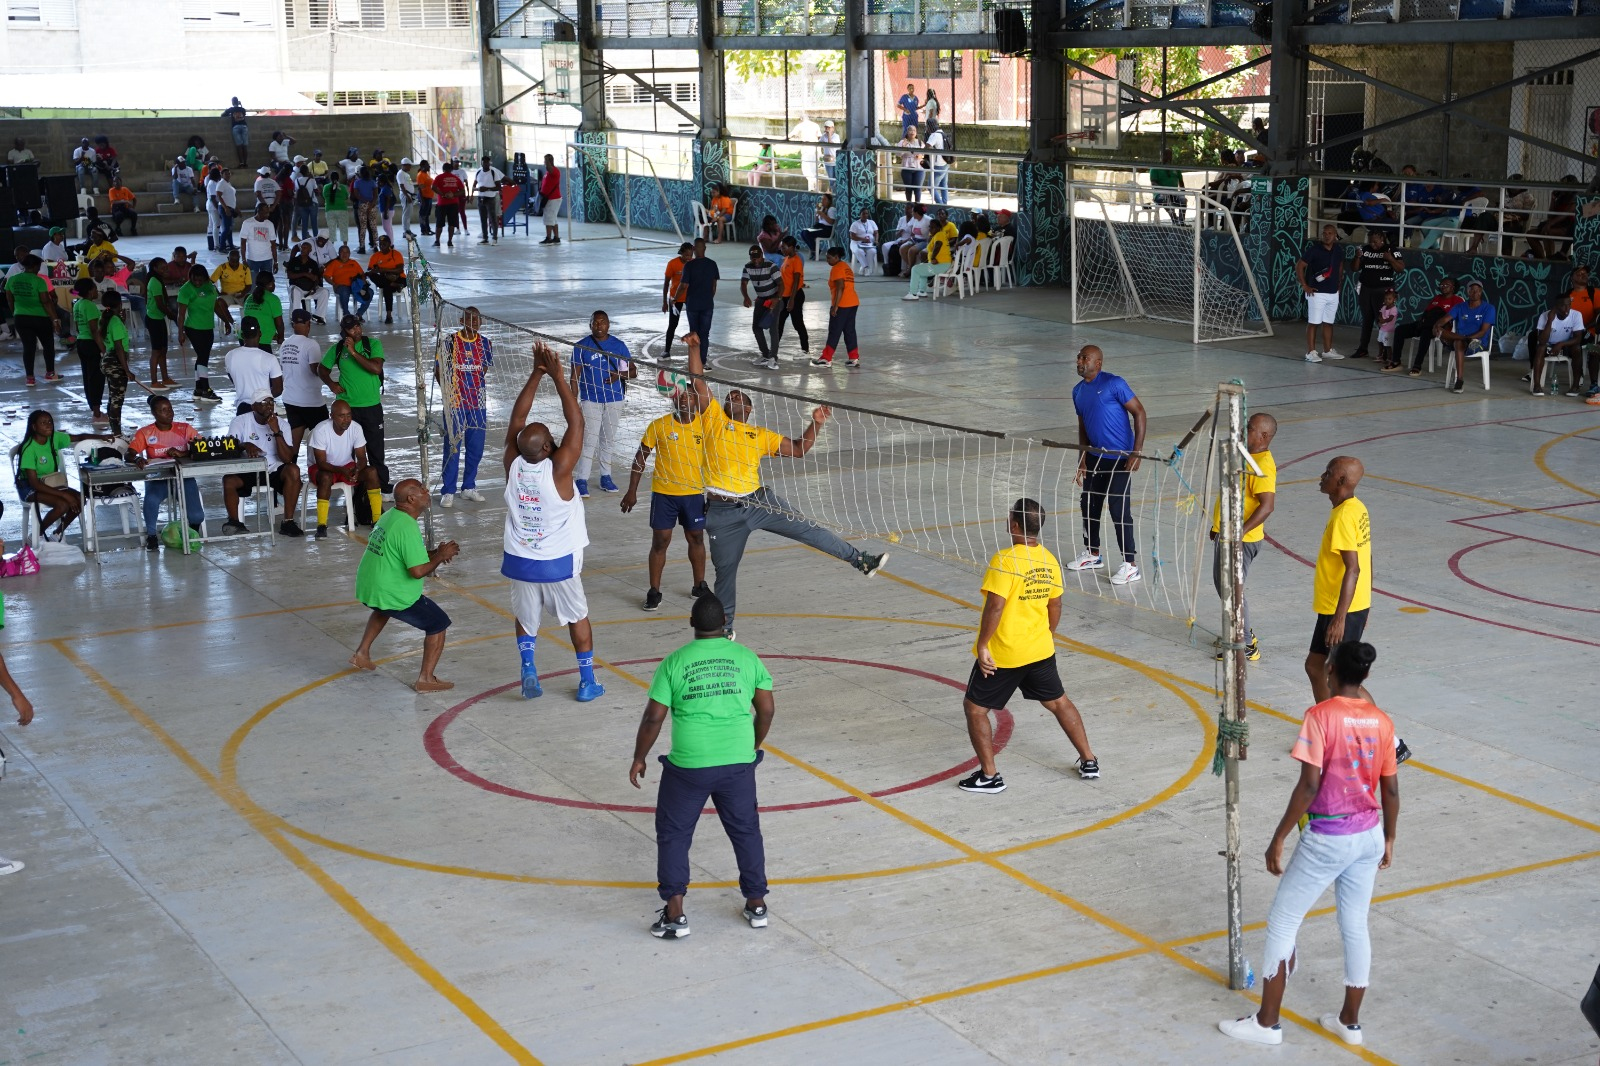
(754, 65)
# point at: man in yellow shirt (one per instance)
(677, 489)
(1260, 496)
(1016, 647)
(232, 278)
(941, 239)
(738, 504)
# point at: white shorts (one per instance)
(1321, 308)
(530, 600)
(552, 211)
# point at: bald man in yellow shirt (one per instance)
(677, 490)
(737, 503)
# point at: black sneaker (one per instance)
(322, 532)
(699, 590)
(151, 542)
(667, 929)
(976, 782)
(1401, 752)
(652, 600)
(870, 564)
(290, 528)
(233, 529)
(728, 633)
(1458, 387)
(756, 916)
(1089, 769)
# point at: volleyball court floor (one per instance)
(240, 850)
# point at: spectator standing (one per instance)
(34, 315)
(911, 146)
(238, 122)
(1377, 266)
(807, 132)
(674, 291)
(486, 187)
(224, 209)
(87, 343)
(298, 359)
(601, 364)
(700, 277)
(1111, 423)
(425, 197)
(360, 362)
(336, 205)
(199, 304)
(770, 237)
(758, 287)
(304, 226)
(938, 143)
(389, 581)
(466, 406)
(1164, 177)
(1320, 270)
(791, 302)
(364, 198)
(1388, 316)
(159, 309)
(830, 150)
(266, 189)
(932, 112)
(550, 198)
(908, 105)
(1259, 496)
(253, 367)
(260, 239)
(450, 191)
(264, 307)
(406, 186)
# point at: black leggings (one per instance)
(36, 332)
(1420, 328)
(370, 419)
(793, 315)
(841, 323)
(202, 340)
(674, 313)
(94, 382)
(1104, 479)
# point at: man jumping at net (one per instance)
(738, 504)
(545, 531)
(1110, 436)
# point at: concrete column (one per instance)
(858, 87)
(713, 100)
(591, 77)
(1048, 85)
(855, 185)
(1286, 114)
(1277, 232)
(1041, 249)
(491, 125)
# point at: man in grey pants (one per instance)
(737, 503)
(1260, 493)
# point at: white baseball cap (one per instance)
(406, 161)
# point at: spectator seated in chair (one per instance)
(261, 435)
(339, 455)
(162, 441)
(723, 206)
(1467, 329)
(40, 477)
(386, 269)
(305, 281)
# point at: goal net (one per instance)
(891, 482)
(1173, 255)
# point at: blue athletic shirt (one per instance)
(596, 359)
(1469, 319)
(1099, 404)
(1323, 266)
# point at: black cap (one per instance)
(300, 315)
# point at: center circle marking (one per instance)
(433, 741)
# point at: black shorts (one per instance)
(1355, 623)
(251, 481)
(305, 417)
(157, 328)
(1038, 681)
(424, 615)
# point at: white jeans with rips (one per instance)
(1350, 864)
(599, 436)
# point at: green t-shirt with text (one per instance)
(708, 686)
(362, 388)
(43, 459)
(28, 292)
(383, 580)
(266, 311)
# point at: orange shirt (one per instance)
(842, 272)
(390, 260)
(425, 185)
(794, 274)
(121, 194)
(1584, 305)
(722, 205)
(680, 291)
(342, 271)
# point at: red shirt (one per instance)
(550, 184)
(1444, 303)
(449, 189)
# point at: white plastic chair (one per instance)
(1450, 359)
(1549, 371)
(702, 220)
(864, 260)
(1003, 278)
(32, 513)
(308, 493)
(958, 277)
(123, 497)
(1142, 200)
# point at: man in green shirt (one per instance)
(360, 384)
(389, 580)
(709, 687)
(1165, 178)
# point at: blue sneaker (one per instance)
(583, 486)
(607, 484)
(590, 690)
(531, 688)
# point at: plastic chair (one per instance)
(1142, 200)
(123, 497)
(308, 493)
(1450, 360)
(1003, 278)
(864, 260)
(32, 513)
(702, 220)
(958, 277)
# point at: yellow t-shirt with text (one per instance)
(1349, 529)
(1028, 577)
(679, 449)
(734, 451)
(1254, 486)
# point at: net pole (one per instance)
(1072, 241)
(413, 283)
(1197, 267)
(1232, 738)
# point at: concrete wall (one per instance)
(155, 38)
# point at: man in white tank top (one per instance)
(545, 530)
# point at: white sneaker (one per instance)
(911, 296)
(1126, 574)
(1350, 1034)
(1087, 561)
(1313, 357)
(472, 494)
(1251, 1031)
(1332, 353)
(9, 866)
(447, 500)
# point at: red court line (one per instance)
(1455, 568)
(1431, 429)
(434, 743)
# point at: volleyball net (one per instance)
(938, 490)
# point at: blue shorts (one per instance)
(424, 615)
(686, 511)
(241, 135)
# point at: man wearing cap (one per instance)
(1468, 328)
(486, 186)
(183, 183)
(830, 154)
(55, 251)
(317, 166)
(258, 430)
(360, 362)
(299, 357)
(260, 239)
(266, 189)
(305, 278)
(406, 185)
(253, 367)
(224, 200)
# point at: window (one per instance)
(627, 91)
(376, 98)
(42, 14)
(288, 13)
(318, 12)
(943, 64)
(227, 14)
(367, 14)
(434, 14)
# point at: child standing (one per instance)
(1388, 315)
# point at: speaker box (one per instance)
(1010, 31)
(60, 192)
(8, 243)
(23, 181)
(8, 208)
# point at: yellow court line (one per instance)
(1384, 410)
(1541, 461)
(335, 891)
(1485, 500)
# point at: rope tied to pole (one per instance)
(1228, 730)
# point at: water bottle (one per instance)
(1249, 975)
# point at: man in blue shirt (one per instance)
(701, 275)
(1468, 328)
(1319, 270)
(1110, 436)
(908, 104)
(600, 364)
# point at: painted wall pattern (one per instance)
(1586, 232)
(1273, 242)
(710, 161)
(1041, 249)
(1519, 289)
(647, 209)
(587, 175)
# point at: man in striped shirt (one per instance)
(759, 287)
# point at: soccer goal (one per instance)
(1173, 255)
(641, 210)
